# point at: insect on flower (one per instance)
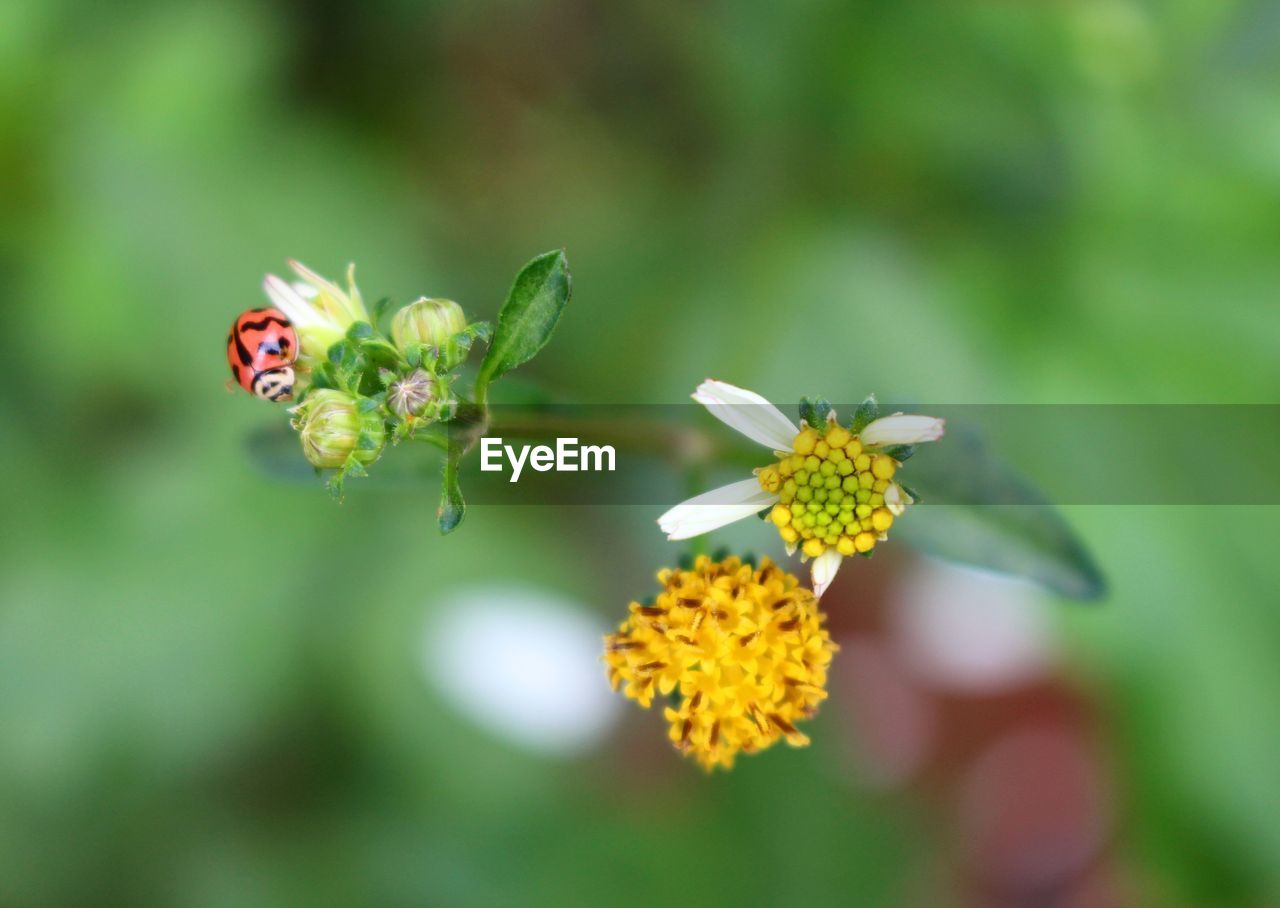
(831, 492)
(261, 350)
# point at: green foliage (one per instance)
(452, 506)
(868, 411)
(527, 318)
(815, 411)
(983, 514)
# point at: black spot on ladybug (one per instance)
(264, 322)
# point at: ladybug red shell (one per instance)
(261, 350)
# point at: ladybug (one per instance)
(262, 347)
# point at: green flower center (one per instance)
(831, 493)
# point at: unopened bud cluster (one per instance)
(833, 492)
(358, 387)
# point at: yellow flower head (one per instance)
(831, 491)
(834, 492)
(744, 648)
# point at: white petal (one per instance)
(323, 285)
(896, 500)
(712, 510)
(823, 570)
(287, 300)
(747, 412)
(902, 429)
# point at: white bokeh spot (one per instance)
(523, 665)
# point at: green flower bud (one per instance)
(427, 321)
(410, 395)
(333, 428)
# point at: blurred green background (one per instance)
(212, 684)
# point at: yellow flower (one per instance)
(743, 650)
(831, 493)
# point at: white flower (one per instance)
(830, 493)
(320, 310)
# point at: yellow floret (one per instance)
(838, 437)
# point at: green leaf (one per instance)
(340, 351)
(808, 413)
(866, 413)
(984, 514)
(900, 453)
(528, 317)
(380, 308)
(452, 506)
(360, 331)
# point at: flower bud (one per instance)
(427, 321)
(333, 428)
(410, 395)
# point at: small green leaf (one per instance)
(324, 377)
(380, 308)
(528, 317)
(452, 506)
(360, 331)
(866, 413)
(339, 352)
(808, 412)
(354, 467)
(366, 405)
(900, 453)
(366, 442)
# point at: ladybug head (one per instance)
(274, 384)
